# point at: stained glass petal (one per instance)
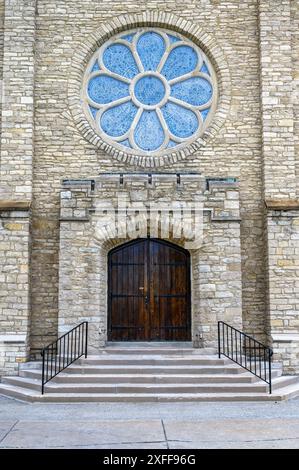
(195, 91)
(104, 89)
(204, 113)
(181, 60)
(149, 133)
(119, 59)
(150, 47)
(181, 122)
(117, 120)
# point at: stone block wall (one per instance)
(276, 72)
(1, 55)
(18, 100)
(283, 275)
(295, 79)
(15, 289)
(279, 105)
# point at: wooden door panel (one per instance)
(170, 292)
(149, 292)
(127, 309)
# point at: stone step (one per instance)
(19, 393)
(165, 350)
(127, 376)
(233, 372)
(36, 365)
(161, 360)
(171, 397)
(33, 380)
(22, 382)
(83, 387)
(145, 378)
(22, 394)
(156, 369)
(152, 345)
(176, 375)
(284, 381)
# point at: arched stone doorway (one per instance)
(216, 284)
(149, 292)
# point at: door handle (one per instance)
(146, 298)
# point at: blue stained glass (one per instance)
(205, 112)
(171, 143)
(117, 121)
(119, 59)
(93, 111)
(204, 69)
(149, 134)
(196, 91)
(126, 143)
(150, 47)
(181, 121)
(128, 37)
(173, 39)
(181, 60)
(149, 90)
(118, 75)
(95, 67)
(104, 89)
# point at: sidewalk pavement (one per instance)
(219, 425)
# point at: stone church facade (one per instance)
(94, 111)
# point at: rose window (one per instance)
(149, 91)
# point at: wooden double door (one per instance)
(149, 292)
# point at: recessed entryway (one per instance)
(149, 292)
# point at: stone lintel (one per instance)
(225, 219)
(285, 337)
(282, 204)
(77, 182)
(221, 182)
(74, 219)
(14, 205)
(11, 338)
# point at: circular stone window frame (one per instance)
(149, 19)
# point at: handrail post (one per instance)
(43, 371)
(270, 371)
(55, 349)
(219, 352)
(229, 349)
(86, 338)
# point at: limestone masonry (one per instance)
(56, 171)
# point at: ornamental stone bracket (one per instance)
(89, 209)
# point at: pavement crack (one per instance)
(246, 441)
(164, 431)
(10, 429)
(93, 445)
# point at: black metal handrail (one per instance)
(245, 351)
(58, 355)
